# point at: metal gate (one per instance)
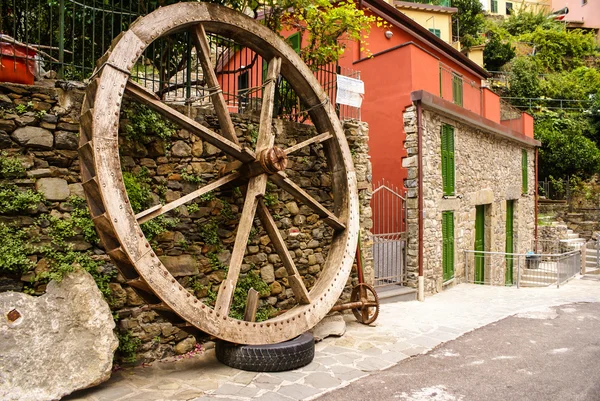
(389, 234)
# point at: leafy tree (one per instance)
(469, 22)
(565, 150)
(558, 49)
(524, 21)
(497, 53)
(524, 79)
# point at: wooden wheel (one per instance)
(119, 227)
(368, 312)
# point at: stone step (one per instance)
(538, 274)
(572, 235)
(532, 283)
(395, 293)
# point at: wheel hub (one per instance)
(273, 160)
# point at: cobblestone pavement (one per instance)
(401, 331)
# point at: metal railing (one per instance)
(389, 234)
(555, 189)
(522, 270)
(68, 36)
(529, 103)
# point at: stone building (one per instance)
(476, 190)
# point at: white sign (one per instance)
(350, 91)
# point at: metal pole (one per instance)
(466, 267)
(558, 273)
(61, 38)
(598, 251)
(519, 272)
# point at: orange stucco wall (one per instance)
(491, 105)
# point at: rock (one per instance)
(267, 273)
(210, 150)
(54, 189)
(330, 326)
(276, 288)
(197, 149)
(34, 137)
(292, 207)
(185, 346)
(181, 149)
(5, 141)
(7, 125)
(118, 296)
(23, 121)
(66, 140)
(182, 265)
(133, 299)
(55, 344)
(39, 173)
(76, 190)
(68, 127)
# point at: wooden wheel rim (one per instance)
(107, 198)
(366, 314)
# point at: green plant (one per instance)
(138, 189)
(240, 296)
(192, 178)
(10, 167)
(227, 212)
(253, 133)
(215, 263)
(40, 114)
(192, 207)
(270, 199)
(183, 244)
(158, 225)
(128, 346)
(207, 197)
(13, 200)
(14, 249)
(144, 123)
(208, 232)
(83, 220)
(23, 108)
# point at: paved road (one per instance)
(402, 330)
(549, 354)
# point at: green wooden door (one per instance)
(479, 244)
(510, 248)
(448, 245)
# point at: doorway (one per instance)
(479, 244)
(510, 244)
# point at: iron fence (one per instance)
(521, 270)
(68, 36)
(389, 234)
(554, 189)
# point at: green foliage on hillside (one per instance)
(554, 74)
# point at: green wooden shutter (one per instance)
(457, 90)
(448, 245)
(524, 177)
(448, 167)
(451, 166)
(479, 244)
(510, 248)
(294, 41)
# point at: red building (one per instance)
(411, 59)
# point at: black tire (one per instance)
(287, 355)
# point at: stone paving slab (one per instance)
(402, 330)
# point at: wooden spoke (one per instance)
(294, 278)
(217, 97)
(266, 138)
(283, 182)
(315, 139)
(148, 99)
(256, 187)
(251, 305)
(157, 210)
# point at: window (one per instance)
(243, 85)
(509, 8)
(448, 159)
(294, 41)
(457, 89)
(524, 172)
(436, 32)
(448, 245)
(495, 6)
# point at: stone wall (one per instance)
(488, 172)
(39, 129)
(583, 221)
